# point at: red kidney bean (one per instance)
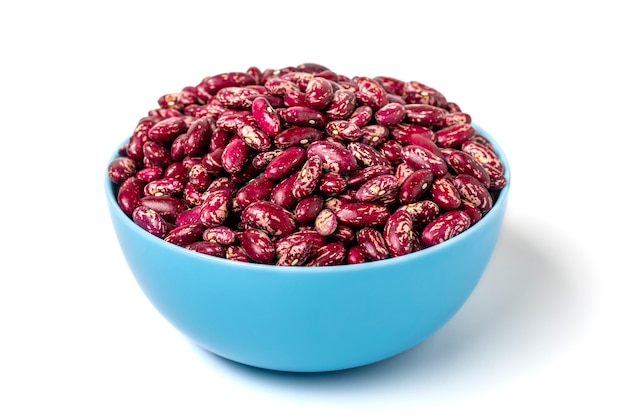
(472, 190)
(222, 235)
(129, 194)
(309, 237)
(424, 114)
(207, 248)
(445, 227)
(464, 163)
(454, 118)
(199, 177)
(164, 186)
(398, 233)
(255, 137)
(318, 93)
(361, 115)
(372, 243)
(269, 217)
(295, 255)
(149, 174)
(232, 120)
(418, 157)
(405, 134)
(367, 155)
(168, 207)
(302, 116)
(361, 176)
(235, 97)
(261, 160)
(414, 92)
(235, 155)
(330, 254)
(308, 208)
(177, 149)
(265, 116)
(184, 235)
(390, 84)
(454, 136)
(282, 194)
(390, 114)
(422, 212)
(331, 183)
(326, 222)
(236, 253)
(343, 234)
(197, 137)
(403, 171)
(334, 158)
(297, 136)
(215, 208)
(257, 245)
(257, 189)
(122, 168)
(374, 135)
(150, 221)
(391, 150)
(191, 196)
(343, 130)
(414, 186)
(445, 194)
(215, 83)
(482, 153)
(362, 214)
(355, 256)
(167, 130)
(377, 188)
(370, 93)
(308, 177)
(286, 163)
(155, 155)
(222, 184)
(342, 105)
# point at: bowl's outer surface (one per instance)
(305, 318)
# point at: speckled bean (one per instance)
(362, 214)
(318, 93)
(121, 168)
(444, 227)
(398, 233)
(215, 208)
(269, 217)
(472, 190)
(207, 248)
(445, 194)
(297, 136)
(372, 243)
(184, 235)
(328, 255)
(414, 186)
(286, 163)
(326, 222)
(265, 116)
(257, 245)
(334, 158)
(308, 208)
(150, 221)
(308, 177)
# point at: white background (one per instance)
(542, 333)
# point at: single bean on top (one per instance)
(304, 166)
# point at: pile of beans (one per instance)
(305, 166)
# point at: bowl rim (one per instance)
(498, 205)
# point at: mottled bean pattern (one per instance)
(303, 166)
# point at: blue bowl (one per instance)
(309, 319)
